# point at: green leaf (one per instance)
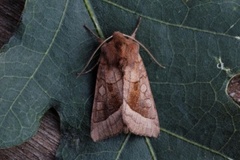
(197, 42)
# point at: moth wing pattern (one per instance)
(138, 109)
(106, 116)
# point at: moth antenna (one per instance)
(100, 40)
(104, 41)
(145, 50)
(136, 28)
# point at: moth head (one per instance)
(119, 40)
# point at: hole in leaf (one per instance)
(233, 88)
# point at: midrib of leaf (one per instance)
(45, 54)
(122, 146)
(194, 143)
(150, 148)
(125, 142)
(93, 17)
(166, 23)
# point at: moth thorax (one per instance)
(123, 63)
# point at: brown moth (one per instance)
(123, 100)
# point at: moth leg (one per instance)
(95, 65)
(136, 28)
(85, 72)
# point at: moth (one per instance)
(123, 100)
